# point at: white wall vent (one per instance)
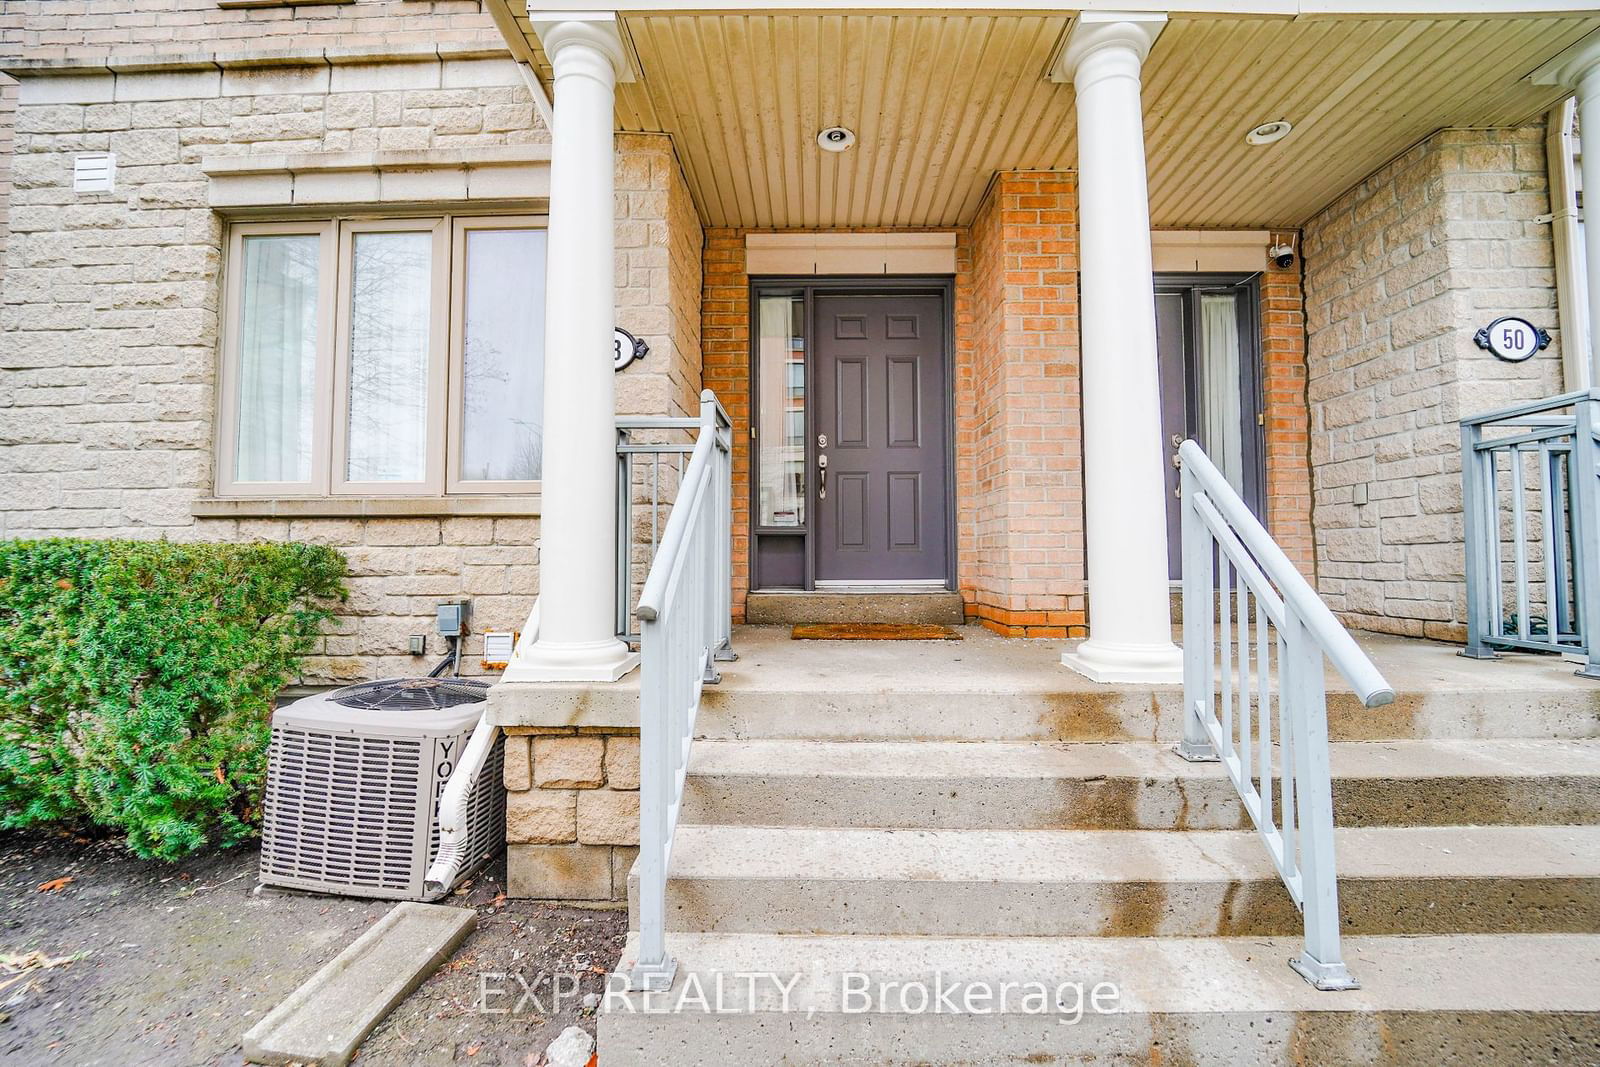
(353, 784)
(94, 172)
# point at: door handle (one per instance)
(822, 477)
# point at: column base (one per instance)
(1156, 664)
(597, 661)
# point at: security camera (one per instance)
(1281, 255)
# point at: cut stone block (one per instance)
(559, 872)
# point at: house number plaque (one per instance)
(625, 348)
(1512, 339)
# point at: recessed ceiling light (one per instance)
(836, 139)
(1268, 132)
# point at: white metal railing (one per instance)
(1258, 645)
(1534, 465)
(653, 454)
(684, 628)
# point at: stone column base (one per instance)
(572, 812)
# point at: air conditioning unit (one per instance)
(354, 778)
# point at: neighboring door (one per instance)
(880, 469)
(1208, 348)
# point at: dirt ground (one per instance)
(153, 963)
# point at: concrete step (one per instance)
(989, 688)
(906, 712)
(1123, 883)
(1207, 1002)
(1123, 786)
(940, 607)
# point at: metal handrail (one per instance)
(685, 625)
(1555, 575)
(1284, 639)
(653, 468)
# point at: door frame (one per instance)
(808, 287)
(1251, 370)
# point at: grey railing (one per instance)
(1254, 636)
(684, 629)
(653, 453)
(1530, 481)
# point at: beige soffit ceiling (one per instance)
(940, 102)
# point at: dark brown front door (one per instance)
(879, 428)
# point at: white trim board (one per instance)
(850, 253)
(1209, 250)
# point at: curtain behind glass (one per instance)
(503, 370)
(390, 305)
(277, 358)
(780, 413)
(1220, 385)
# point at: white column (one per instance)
(1130, 611)
(577, 531)
(1578, 68)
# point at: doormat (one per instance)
(873, 631)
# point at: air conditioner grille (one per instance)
(342, 809)
(411, 694)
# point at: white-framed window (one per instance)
(383, 357)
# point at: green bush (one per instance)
(137, 680)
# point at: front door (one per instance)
(1208, 348)
(878, 427)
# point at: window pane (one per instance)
(390, 304)
(503, 368)
(1220, 385)
(277, 358)
(780, 431)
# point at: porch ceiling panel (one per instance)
(940, 102)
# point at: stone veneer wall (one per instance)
(109, 320)
(1400, 272)
(8, 110)
(46, 32)
(572, 813)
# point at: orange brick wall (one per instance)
(1288, 418)
(1018, 434)
(725, 368)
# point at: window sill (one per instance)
(365, 507)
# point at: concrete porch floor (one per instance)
(986, 687)
(984, 662)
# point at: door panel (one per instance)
(880, 371)
(1171, 344)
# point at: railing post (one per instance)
(654, 969)
(1584, 494)
(624, 535)
(1321, 962)
(1198, 587)
(1477, 514)
(711, 422)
